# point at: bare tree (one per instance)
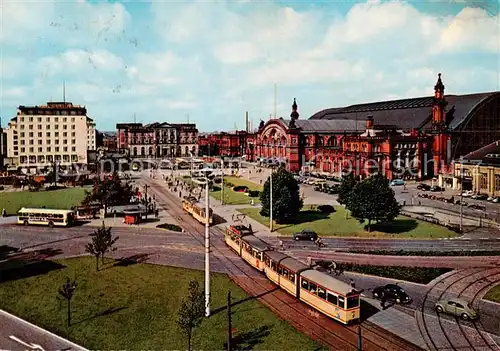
(102, 242)
(67, 291)
(192, 310)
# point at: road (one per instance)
(18, 335)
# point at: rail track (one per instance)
(467, 335)
(303, 318)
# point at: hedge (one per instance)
(427, 253)
(412, 274)
(169, 226)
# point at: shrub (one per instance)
(240, 189)
(253, 193)
(169, 226)
(1, 187)
(54, 187)
(326, 208)
(228, 184)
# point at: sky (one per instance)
(211, 61)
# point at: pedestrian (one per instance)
(156, 213)
(281, 245)
(382, 303)
(351, 282)
(250, 228)
(4, 212)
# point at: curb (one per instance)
(72, 344)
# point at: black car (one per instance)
(424, 187)
(306, 234)
(436, 188)
(391, 292)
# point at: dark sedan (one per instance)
(391, 292)
(305, 234)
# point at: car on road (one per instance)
(306, 234)
(436, 188)
(479, 197)
(456, 307)
(467, 193)
(391, 292)
(423, 187)
(397, 182)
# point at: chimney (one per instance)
(369, 122)
(246, 121)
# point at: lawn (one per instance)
(232, 197)
(336, 224)
(135, 307)
(493, 294)
(57, 199)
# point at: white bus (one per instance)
(45, 216)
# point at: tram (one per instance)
(197, 210)
(319, 290)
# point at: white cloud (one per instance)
(237, 53)
(156, 69)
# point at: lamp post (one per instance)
(206, 172)
(271, 201)
(222, 181)
(461, 196)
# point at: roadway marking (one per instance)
(31, 346)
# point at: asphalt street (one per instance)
(18, 335)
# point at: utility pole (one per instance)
(229, 322)
(147, 202)
(360, 340)
(222, 181)
(207, 247)
(461, 197)
(271, 201)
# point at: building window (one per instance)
(31, 142)
(497, 182)
(73, 126)
(65, 149)
(31, 149)
(31, 118)
(49, 149)
(65, 134)
(56, 126)
(64, 119)
(65, 126)
(47, 126)
(65, 141)
(47, 141)
(40, 149)
(22, 119)
(31, 126)
(57, 141)
(73, 134)
(40, 126)
(73, 149)
(22, 149)
(39, 141)
(47, 134)
(72, 118)
(73, 141)
(483, 181)
(22, 142)
(57, 148)
(57, 118)
(57, 134)
(39, 134)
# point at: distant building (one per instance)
(479, 171)
(230, 144)
(57, 132)
(3, 148)
(109, 141)
(157, 140)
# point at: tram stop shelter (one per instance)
(132, 216)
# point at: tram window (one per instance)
(322, 293)
(292, 277)
(331, 299)
(261, 256)
(312, 288)
(285, 273)
(237, 241)
(305, 284)
(280, 270)
(341, 302)
(273, 266)
(352, 302)
(267, 262)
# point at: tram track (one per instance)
(469, 334)
(328, 332)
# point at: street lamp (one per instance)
(206, 172)
(271, 200)
(222, 181)
(461, 196)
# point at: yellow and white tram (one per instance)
(197, 210)
(319, 290)
(330, 296)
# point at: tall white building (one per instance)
(57, 132)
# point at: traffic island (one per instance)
(340, 224)
(134, 306)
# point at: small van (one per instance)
(397, 182)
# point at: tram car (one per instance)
(233, 235)
(319, 290)
(197, 210)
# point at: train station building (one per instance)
(414, 138)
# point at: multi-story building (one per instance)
(235, 144)
(418, 137)
(57, 132)
(158, 140)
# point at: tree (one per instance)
(102, 242)
(373, 199)
(192, 310)
(67, 291)
(347, 184)
(286, 197)
(109, 192)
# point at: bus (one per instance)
(45, 216)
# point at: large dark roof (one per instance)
(487, 155)
(308, 125)
(406, 113)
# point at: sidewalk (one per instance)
(152, 222)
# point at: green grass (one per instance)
(135, 308)
(234, 198)
(493, 294)
(57, 199)
(336, 224)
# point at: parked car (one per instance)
(456, 307)
(436, 188)
(391, 292)
(495, 200)
(397, 182)
(423, 187)
(305, 234)
(480, 196)
(467, 193)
